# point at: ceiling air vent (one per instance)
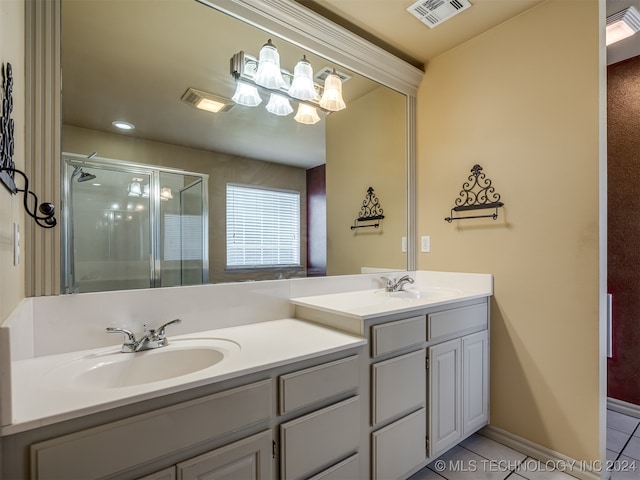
(321, 74)
(207, 101)
(434, 12)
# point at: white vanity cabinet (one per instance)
(427, 378)
(323, 443)
(458, 376)
(294, 421)
(398, 401)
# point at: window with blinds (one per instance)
(263, 227)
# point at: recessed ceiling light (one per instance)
(123, 125)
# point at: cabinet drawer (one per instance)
(399, 447)
(312, 385)
(398, 386)
(346, 469)
(392, 336)
(121, 445)
(457, 321)
(315, 441)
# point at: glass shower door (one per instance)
(109, 229)
(183, 226)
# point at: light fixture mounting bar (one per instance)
(244, 67)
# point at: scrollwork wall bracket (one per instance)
(371, 211)
(477, 193)
(44, 216)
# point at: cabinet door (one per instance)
(445, 395)
(246, 459)
(475, 382)
(166, 474)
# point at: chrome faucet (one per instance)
(152, 338)
(396, 285)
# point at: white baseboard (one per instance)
(565, 464)
(621, 406)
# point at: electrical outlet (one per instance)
(16, 244)
(425, 243)
(404, 245)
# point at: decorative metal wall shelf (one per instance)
(369, 212)
(8, 170)
(477, 194)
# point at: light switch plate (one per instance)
(425, 243)
(404, 245)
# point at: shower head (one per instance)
(85, 177)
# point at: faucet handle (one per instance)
(130, 337)
(159, 332)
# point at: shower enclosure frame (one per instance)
(72, 160)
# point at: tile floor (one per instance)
(480, 458)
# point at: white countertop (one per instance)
(40, 396)
(367, 304)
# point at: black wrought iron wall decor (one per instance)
(369, 212)
(8, 170)
(477, 194)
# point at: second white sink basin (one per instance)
(114, 369)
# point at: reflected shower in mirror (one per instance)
(147, 63)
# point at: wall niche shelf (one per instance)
(370, 212)
(477, 194)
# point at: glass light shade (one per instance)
(145, 191)
(306, 114)
(332, 95)
(135, 190)
(302, 84)
(246, 95)
(166, 193)
(268, 74)
(279, 105)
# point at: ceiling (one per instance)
(388, 24)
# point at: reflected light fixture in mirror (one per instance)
(332, 95)
(299, 86)
(268, 74)
(279, 105)
(307, 115)
(246, 95)
(302, 86)
(622, 25)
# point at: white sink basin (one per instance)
(114, 369)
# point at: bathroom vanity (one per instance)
(361, 384)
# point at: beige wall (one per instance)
(365, 150)
(221, 169)
(11, 211)
(522, 101)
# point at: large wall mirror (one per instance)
(136, 61)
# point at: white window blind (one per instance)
(263, 227)
(182, 237)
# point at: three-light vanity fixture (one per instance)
(265, 73)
